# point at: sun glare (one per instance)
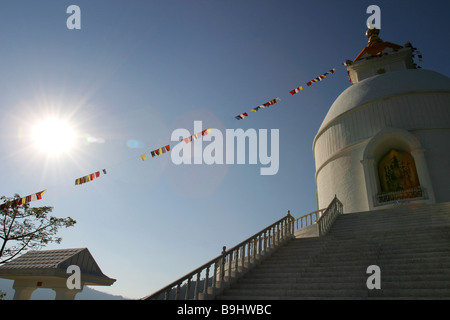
(53, 136)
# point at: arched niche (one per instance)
(382, 147)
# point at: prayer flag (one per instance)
(39, 194)
(88, 177)
(23, 200)
(242, 116)
(296, 90)
(193, 137)
(321, 77)
(267, 104)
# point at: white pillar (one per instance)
(65, 293)
(23, 292)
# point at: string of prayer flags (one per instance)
(156, 152)
(263, 106)
(271, 102)
(197, 135)
(206, 131)
(88, 177)
(419, 55)
(23, 200)
(242, 116)
(296, 90)
(321, 77)
(160, 150)
(348, 63)
(414, 51)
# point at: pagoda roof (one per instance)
(377, 49)
(54, 263)
(376, 45)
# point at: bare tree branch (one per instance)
(25, 228)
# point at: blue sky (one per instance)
(138, 70)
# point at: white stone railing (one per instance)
(326, 220)
(218, 274)
(308, 219)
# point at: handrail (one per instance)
(221, 271)
(227, 266)
(331, 213)
(302, 221)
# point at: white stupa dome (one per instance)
(384, 86)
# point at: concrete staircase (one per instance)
(410, 245)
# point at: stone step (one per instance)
(384, 268)
(284, 293)
(341, 275)
(396, 220)
(357, 284)
(390, 217)
(299, 278)
(378, 232)
(422, 293)
(339, 261)
(394, 294)
(411, 245)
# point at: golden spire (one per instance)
(374, 39)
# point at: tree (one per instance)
(23, 228)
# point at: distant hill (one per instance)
(48, 294)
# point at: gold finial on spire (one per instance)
(374, 39)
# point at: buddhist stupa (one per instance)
(385, 140)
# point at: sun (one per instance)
(53, 136)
